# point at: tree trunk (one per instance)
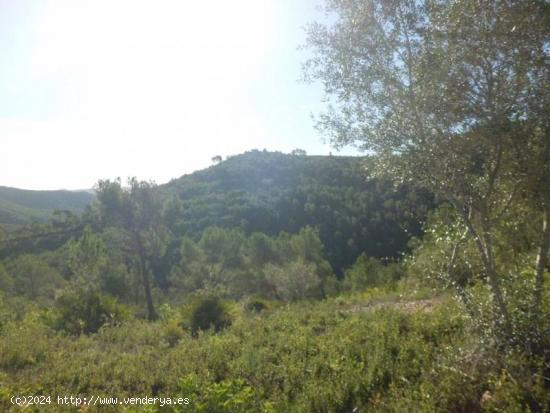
(151, 314)
(485, 249)
(459, 289)
(540, 265)
(490, 269)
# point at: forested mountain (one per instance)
(20, 206)
(258, 192)
(270, 192)
(413, 279)
(262, 223)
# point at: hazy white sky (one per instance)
(153, 89)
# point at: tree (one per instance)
(136, 210)
(365, 272)
(190, 273)
(298, 152)
(6, 281)
(87, 256)
(451, 96)
(96, 261)
(34, 278)
(295, 280)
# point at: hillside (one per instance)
(251, 286)
(270, 192)
(20, 206)
(414, 278)
(262, 192)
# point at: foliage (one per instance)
(173, 332)
(48, 236)
(450, 99)
(304, 357)
(136, 211)
(14, 308)
(446, 259)
(453, 97)
(237, 265)
(85, 311)
(19, 206)
(270, 192)
(225, 396)
(256, 305)
(296, 280)
(33, 277)
(87, 257)
(97, 260)
(6, 281)
(207, 312)
(364, 273)
(139, 239)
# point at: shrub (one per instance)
(256, 305)
(23, 343)
(81, 311)
(6, 281)
(369, 272)
(172, 332)
(208, 312)
(34, 278)
(294, 281)
(226, 396)
(366, 272)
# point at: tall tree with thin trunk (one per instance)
(136, 210)
(452, 95)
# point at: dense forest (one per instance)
(414, 278)
(272, 192)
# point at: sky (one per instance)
(102, 89)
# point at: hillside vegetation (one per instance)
(268, 282)
(411, 280)
(19, 206)
(270, 192)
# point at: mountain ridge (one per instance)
(24, 206)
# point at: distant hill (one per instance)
(21, 206)
(270, 192)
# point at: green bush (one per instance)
(23, 343)
(34, 278)
(294, 281)
(233, 396)
(208, 312)
(80, 311)
(256, 305)
(6, 281)
(173, 332)
(366, 272)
